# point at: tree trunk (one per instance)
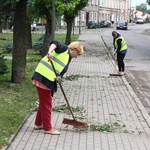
(29, 37)
(19, 43)
(48, 34)
(69, 29)
(1, 26)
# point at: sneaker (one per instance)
(121, 73)
(53, 132)
(37, 127)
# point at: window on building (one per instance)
(109, 3)
(121, 5)
(78, 18)
(91, 16)
(118, 5)
(93, 2)
(106, 3)
(96, 2)
(101, 3)
(95, 19)
(82, 15)
(114, 4)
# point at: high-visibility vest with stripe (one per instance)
(59, 61)
(123, 44)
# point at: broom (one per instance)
(73, 121)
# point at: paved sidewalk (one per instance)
(105, 99)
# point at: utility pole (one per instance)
(130, 11)
(119, 10)
(79, 22)
(53, 20)
(98, 10)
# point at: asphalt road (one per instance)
(137, 60)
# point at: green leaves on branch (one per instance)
(66, 5)
(64, 109)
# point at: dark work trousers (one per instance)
(121, 65)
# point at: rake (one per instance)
(73, 121)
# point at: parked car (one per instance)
(139, 20)
(91, 25)
(98, 24)
(105, 23)
(122, 24)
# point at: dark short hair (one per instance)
(114, 32)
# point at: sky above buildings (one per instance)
(137, 2)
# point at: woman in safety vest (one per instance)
(45, 80)
(121, 48)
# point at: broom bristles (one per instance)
(115, 74)
(74, 123)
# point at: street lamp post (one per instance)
(79, 22)
(130, 11)
(98, 10)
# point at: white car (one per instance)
(139, 20)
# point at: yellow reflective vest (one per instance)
(59, 60)
(123, 44)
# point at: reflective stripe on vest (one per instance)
(123, 44)
(59, 60)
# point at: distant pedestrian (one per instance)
(121, 49)
(45, 80)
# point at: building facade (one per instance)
(98, 10)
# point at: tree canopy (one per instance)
(143, 8)
(25, 11)
(70, 14)
(6, 12)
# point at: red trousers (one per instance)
(43, 116)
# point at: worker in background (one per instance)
(121, 49)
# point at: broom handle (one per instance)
(63, 92)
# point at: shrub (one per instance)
(38, 45)
(7, 48)
(3, 66)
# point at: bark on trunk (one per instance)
(69, 30)
(29, 37)
(1, 26)
(48, 35)
(19, 43)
